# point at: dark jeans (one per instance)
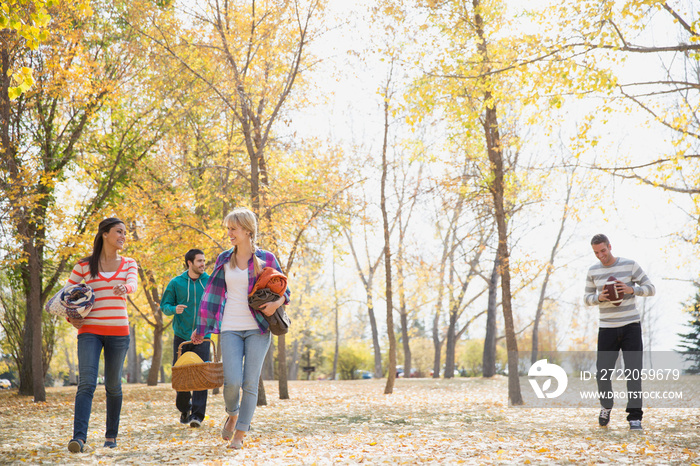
(610, 342)
(90, 347)
(199, 398)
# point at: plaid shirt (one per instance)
(211, 308)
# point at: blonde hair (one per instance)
(245, 219)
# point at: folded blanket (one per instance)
(73, 301)
(279, 322)
(261, 297)
(271, 278)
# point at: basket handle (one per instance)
(212, 346)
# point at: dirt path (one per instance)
(460, 421)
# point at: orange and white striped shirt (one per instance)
(108, 316)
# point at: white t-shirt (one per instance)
(109, 275)
(237, 315)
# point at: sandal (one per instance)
(226, 434)
(76, 446)
(235, 444)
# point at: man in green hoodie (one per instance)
(181, 300)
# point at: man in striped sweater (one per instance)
(619, 328)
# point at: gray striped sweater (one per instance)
(628, 272)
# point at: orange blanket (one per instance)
(271, 279)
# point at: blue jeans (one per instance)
(192, 403)
(90, 347)
(242, 353)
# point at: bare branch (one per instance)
(145, 317)
(645, 165)
(680, 20)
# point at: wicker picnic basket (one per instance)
(196, 377)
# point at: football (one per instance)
(613, 295)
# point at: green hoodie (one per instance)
(183, 290)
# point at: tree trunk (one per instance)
(268, 369)
(405, 342)
(375, 337)
(139, 363)
(450, 346)
(48, 338)
(154, 371)
(293, 368)
(538, 316)
(391, 371)
(262, 397)
(72, 379)
(491, 127)
(496, 157)
(403, 313)
(131, 362)
(26, 381)
(489, 357)
(282, 367)
(32, 374)
(336, 349)
(437, 343)
(336, 328)
(497, 188)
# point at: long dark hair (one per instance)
(94, 259)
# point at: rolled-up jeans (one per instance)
(242, 353)
(90, 347)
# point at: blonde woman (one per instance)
(244, 333)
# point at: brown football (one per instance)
(614, 297)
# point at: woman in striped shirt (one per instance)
(106, 327)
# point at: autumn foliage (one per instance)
(426, 172)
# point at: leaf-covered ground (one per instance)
(460, 421)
